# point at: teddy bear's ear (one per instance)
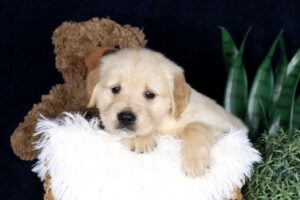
(93, 59)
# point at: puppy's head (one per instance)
(137, 89)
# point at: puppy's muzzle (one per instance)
(126, 118)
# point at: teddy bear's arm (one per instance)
(62, 98)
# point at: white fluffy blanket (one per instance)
(86, 163)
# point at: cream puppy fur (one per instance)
(142, 94)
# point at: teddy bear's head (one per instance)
(74, 41)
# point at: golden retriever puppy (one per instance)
(141, 94)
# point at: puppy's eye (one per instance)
(116, 89)
(149, 95)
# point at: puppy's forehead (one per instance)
(141, 65)
(133, 59)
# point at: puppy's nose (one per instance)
(126, 118)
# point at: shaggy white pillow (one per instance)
(87, 163)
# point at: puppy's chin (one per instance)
(124, 133)
(127, 132)
(117, 130)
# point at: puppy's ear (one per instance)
(93, 59)
(93, 99)
(91, 81)
(92, 62)
(181, 95)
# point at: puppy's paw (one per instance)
(195, 164)
(141, 144)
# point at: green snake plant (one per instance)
(271, 103)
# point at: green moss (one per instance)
(278, 176)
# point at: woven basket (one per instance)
(236, 195)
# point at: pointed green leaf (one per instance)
(280, 69)
(284, 106)
(261, 90)
(264, 115)
(296, 113)
(236, 91)
(230, 51)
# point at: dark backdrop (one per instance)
(186, 31)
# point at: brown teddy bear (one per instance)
(72, 43)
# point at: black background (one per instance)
(186, 31)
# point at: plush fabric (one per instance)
(85, 162)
